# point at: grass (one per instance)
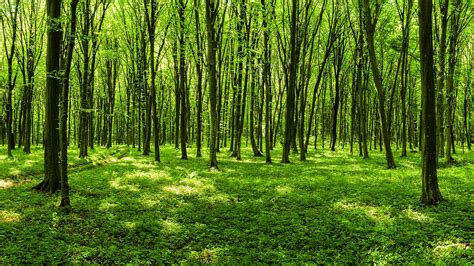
(334, 208)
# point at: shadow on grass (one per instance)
(333, 209)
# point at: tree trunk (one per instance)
(211, 16)
(370, 28)
(51, 182)
(290, 89)
(430, 191)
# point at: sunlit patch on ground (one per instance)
(6, 184)
(334, 209)
(188, 187)
(417, 216)
(151, 175)
(9, 216)
(378, 214)
(283, 189)
(105, 206)
(219, 198)
(149, 201)
(15, 171)
(445, 248)
(170, 227)
(117, 184)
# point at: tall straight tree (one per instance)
(66, 62)
(151, 20)
(267, 76)
(199, 73)
(370, 24)
(290, 89)
(212, 7)
(182, 78)
(430, 192)
(405, 17)
(443, 9)
(51, 182)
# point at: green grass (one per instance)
(335, 208)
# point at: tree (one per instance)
(267, 80)
(290, 88)
(370, 24)
(51, 182)
(430, 192)
(66, 71)
(182, 78)
(199, 73)
(443, 6)
(405, 17)
(212, 7)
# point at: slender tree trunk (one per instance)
(267, 82)
(450, 89)
(211, 16)
(65, 202)
(370, 28)
(441, 77)
(290, 89)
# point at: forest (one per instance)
(236, 132)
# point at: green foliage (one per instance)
(335, 208)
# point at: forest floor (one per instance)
(334, 208)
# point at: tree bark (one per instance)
(370, 29)
(51, 182)
(430, 191)
(211, 16)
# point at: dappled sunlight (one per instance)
(170, 227)
(250, 161)
(188, 187)
(416, 216)
(152, 175)
(9, 217)
(117, 184)
(15, 172)
(219, 198)
(6, 184)
(333, 209)
(377, 214)
(284, 189)
(106, 206)
(149, 201)
(446, 248)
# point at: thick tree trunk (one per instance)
(51, 182)
(430, 191)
